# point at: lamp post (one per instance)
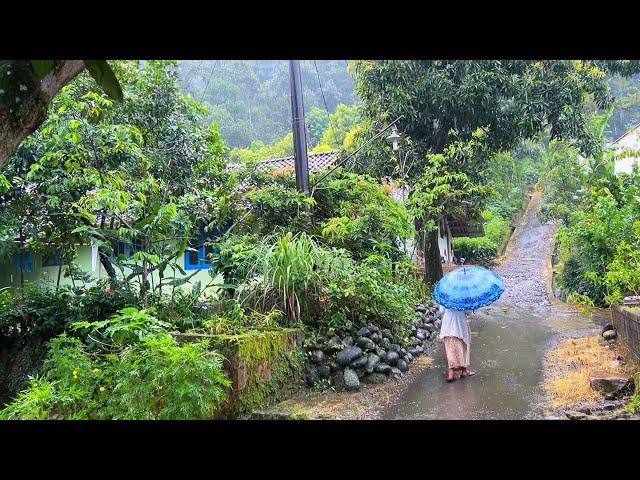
(394, 140)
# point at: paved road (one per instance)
(508, 343)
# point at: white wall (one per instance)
(631, 141)
(88, 262)
(444, 241)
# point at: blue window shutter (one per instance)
(200, 261)
(23, 259)
(202, 255)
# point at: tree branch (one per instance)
(19, 120)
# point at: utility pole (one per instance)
(298, 126)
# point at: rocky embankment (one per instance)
(371, 354)
(615, 392)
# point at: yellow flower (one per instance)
(160, 387)
(95, 370)
(102, 389)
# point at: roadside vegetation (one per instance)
(151, 172)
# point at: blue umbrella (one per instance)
(468, 288)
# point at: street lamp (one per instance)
(393, 139)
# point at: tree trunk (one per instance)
(106, 263)
(432, 260)
(25, 102)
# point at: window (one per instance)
(23, 259)
(127, 248)
(51, 259)
(196, 259)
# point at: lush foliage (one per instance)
(113, 173)
(481, 108)
(147, 377)
(483, 249)
(41, 312)
(600, 222)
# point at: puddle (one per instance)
(509, 365)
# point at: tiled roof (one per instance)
(317, 162)
(628, 132)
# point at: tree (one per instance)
(339, 124)
(317, 120)
(28, 86)
(497, 102)
(115, 172)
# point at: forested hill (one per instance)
(626, 112)
(249, 99)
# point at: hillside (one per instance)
(249, 99)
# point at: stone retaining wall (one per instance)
(626, 321)
(263, 366)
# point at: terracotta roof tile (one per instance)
(317, 162)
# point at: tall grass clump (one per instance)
(282, 273)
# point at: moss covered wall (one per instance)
(263, 366)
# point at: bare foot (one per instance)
(467, 373)
(451, 375)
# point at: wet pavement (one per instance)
(509, 340)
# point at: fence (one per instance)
(626, 321)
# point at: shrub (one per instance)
(128, 326)
(356, 214)
(365, 293)
(574, 280)
(68, 389)
(44, 313)
(283, 274)
(232, 319)
(496, 226)
(475, 250)
(153, 379)
(158, 379)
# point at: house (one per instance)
(627, 150)
(31, 267)
(449, 226)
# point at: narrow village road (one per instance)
(508, 343)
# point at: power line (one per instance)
(213, 69)
(325, 102)
(196, 68)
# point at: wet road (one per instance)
(508, 342)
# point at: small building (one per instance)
(627, 150)
(30, 267)
(449, 226)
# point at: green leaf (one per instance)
(42, 67)
(104, 76)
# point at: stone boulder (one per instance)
(358, 362)
(611, 385)
(318, 356)
(372, 361)
(365, 343)
(348, 355)
(351, 380)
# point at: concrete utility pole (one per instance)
(299, 136)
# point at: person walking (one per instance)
(455, 334)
